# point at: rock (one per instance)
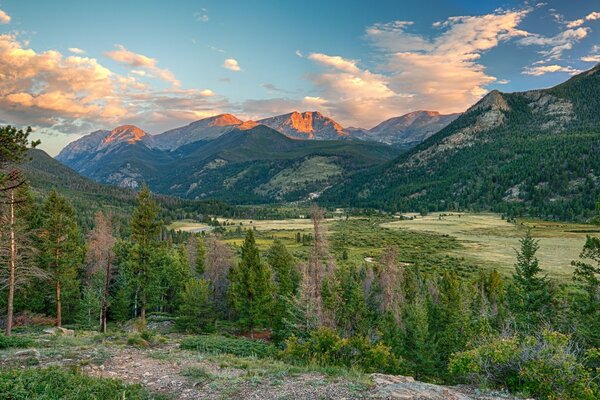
(28, 353)
(65, 331)
(59, 330)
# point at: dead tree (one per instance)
(100, 258)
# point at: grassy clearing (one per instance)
(221, 344)
(488, 240)
(55, 383)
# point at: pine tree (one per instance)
(587, 275)
(145, 228)
(61, 249)
(287, 279)
(250, 290)
(196, 312)
(531, 297)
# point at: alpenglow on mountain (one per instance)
(535, 153)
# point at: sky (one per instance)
(69, 67)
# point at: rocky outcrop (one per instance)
(306, 125)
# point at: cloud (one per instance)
(578, 22)
(415, 71)
(46, 84)
(556, 45)
(4, 17)
(135, 60)
(544, 69)
(274, 89)
(594, 55)
(60, 94)
(201, 15)
(232, 65)
(299, 54)
(76, 50)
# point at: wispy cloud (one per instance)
(135, 60)
(594, 55)
(417, 71)
(4, 17)
(76, 50)
(544, 69)
(201, 15)
(232, 65)
(578, 22)
(555, 46)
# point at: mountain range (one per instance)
(526, 153)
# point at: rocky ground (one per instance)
(180, 374)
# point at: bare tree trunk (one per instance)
(11, 282)
(104, 311)
(58, 305)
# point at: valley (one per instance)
(177, 251)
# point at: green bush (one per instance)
(14, 341)
(544, 366)
(324, 347)
(221, 344)
(55, 383)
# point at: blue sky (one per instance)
(73, 66)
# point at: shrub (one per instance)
(325, 347)
(221, 344)
(544, 366)
(14, 341)
(55, 383)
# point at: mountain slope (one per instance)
(204, 129)
(44, 173)
(534, 153)
(241, 166)
(409, 129)
(306, 125)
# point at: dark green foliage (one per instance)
(14, 144)
(62, 251)
(227, 345)
(533, 163)
(250, 289)
(326, 348)
(196, 312)
(530, 296)
(287, 278)
(55, 383)
(247, 159)
(587, 276)
(545, 366)
(7, 342)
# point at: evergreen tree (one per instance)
(145, 228)
(530, 297)
(196, 312)
(61, 249)
(287, 279)
(251, 290)
(587, 274)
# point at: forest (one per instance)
(523, 332)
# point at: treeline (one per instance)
(525, 332)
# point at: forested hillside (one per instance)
(533, 153)
(258, 165)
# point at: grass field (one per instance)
(488, 240)
(464, 242)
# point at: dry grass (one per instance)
(488, 239)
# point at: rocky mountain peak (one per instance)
(125, 133)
